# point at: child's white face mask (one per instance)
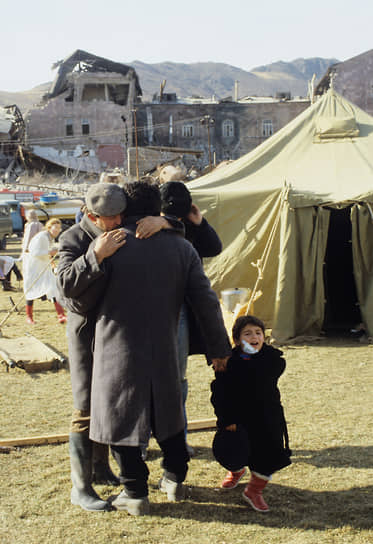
(248, 348)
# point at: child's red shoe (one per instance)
(253, 493)
(232, 478)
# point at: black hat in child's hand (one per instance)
(231, 448)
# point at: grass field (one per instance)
(325, 496)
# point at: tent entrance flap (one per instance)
(342, 311)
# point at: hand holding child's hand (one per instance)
(232, 427)
(219, 364)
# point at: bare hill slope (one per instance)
(206, 79)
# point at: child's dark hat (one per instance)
(231, 448)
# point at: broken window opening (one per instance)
(70, 96)
(85, 126)
(118, 94)
(93, 91)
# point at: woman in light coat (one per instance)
(39, 278)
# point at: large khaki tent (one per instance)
(306, 195)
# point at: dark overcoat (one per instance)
(80, 281)
(207, 243)
(135, 384)
(248, 394)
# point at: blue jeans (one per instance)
(182, 355)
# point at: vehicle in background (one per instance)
(22, 196)
(17, 214)
(6, 226)
(52, 206)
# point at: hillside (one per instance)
(211, 78)
(207, 79)
(24, 99)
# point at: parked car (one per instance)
(6, 225)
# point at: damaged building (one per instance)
(85, 122)
(93, 120)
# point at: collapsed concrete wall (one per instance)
(145, 160)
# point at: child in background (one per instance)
(251, 424)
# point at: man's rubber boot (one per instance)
(82, 493)
(102, 473)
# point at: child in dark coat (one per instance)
(247, 404)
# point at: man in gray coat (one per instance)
(83, 253)
(136, 383)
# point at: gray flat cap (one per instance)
(106, 199)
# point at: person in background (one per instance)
(7, 267)
(251, 425)
(79, 214)
(32, 227)
(177, 201)
(39, 278)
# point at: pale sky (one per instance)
(37, 33)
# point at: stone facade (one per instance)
(231, 128)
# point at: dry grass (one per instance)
(324, 497)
